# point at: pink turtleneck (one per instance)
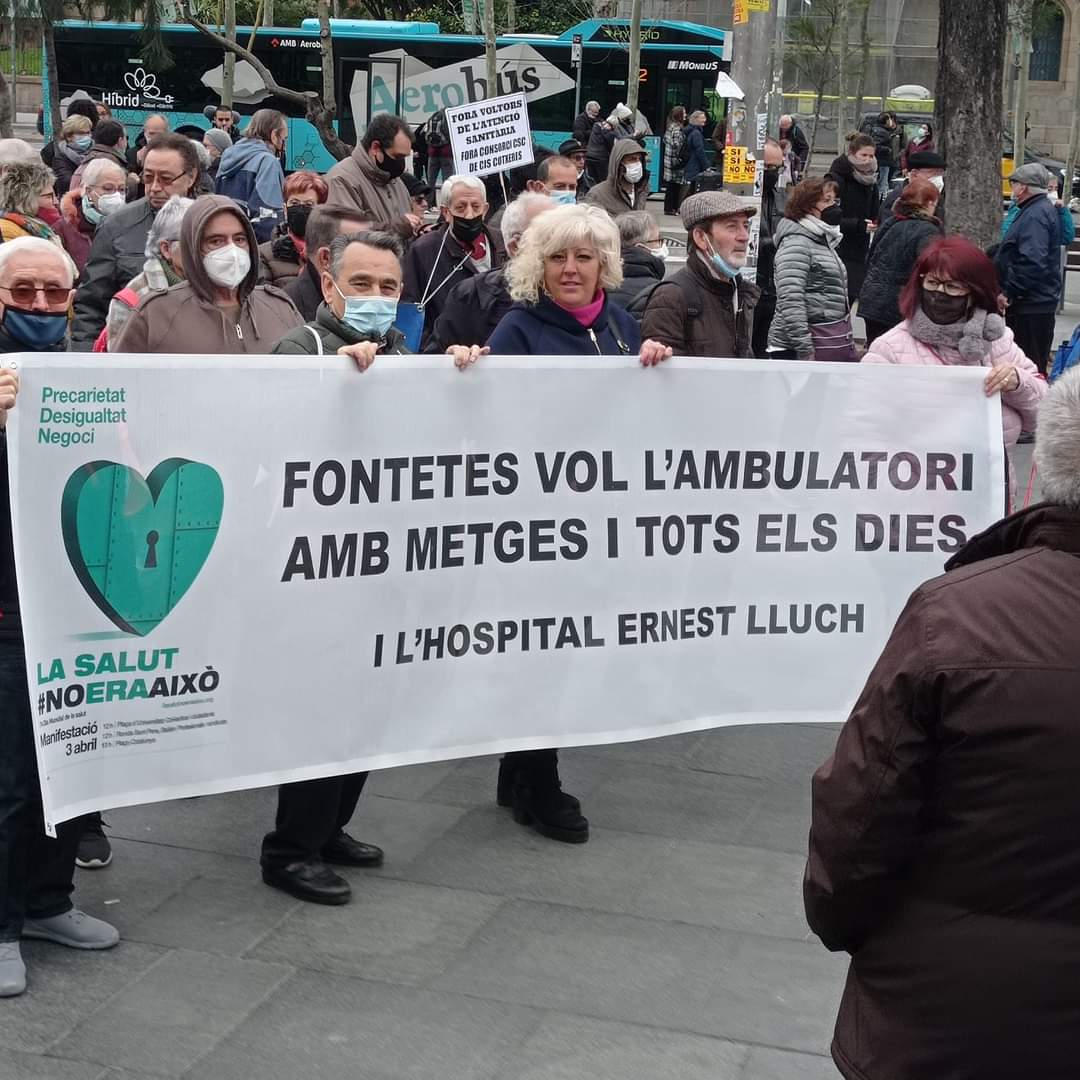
(588, 314)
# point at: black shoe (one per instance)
(94, 851)
(508, 768)
(309, 880)
(537, 798)
(343, 850)
(1026, 437)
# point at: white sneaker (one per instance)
(12, 970)
(75, 929)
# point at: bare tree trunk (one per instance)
(864, 63)
(1074, 139)
(511, 16)
(635, 60)
(817, 121)
(490, 46)
(329, 93)
(967, 99)
(844, 33)
(268, 13)
(228, 77)
(1027, 11)
(255, 24)
(53, 76)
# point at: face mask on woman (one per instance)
(369, 316)
(82, 143)
(296, 218)
(227, 266)
(943, 309)
(832, 215)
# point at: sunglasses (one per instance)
(24, 295)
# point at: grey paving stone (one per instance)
(165, 1021)
(767, 1064)
(780, 820)
(403, 933)
(225, 911)
(575, 1048)
(63, 987)
(410, 781)
(671, 750)
(18, 1066)
(678, 803)
(489, 852)
(776, 752)
(738, 888)
(402, 828)
(327, 1027)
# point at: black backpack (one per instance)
(436, 131)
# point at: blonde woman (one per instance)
(567, 260)
(75, 142)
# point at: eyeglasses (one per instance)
(150, 179)
(298, 202)
(949, 288)
(25, 294)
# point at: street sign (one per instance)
(740, 13)
(740, 166)
(575, 50)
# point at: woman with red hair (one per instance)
(950, 312)
(282, 256)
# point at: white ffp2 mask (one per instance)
(227, 266)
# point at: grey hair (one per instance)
(201, 153)
(468, 181)
(696, 113)
(635, 227)
(21, 184)
(15, 150)
(166, 224)
(371, 238)
(30, 244)
(94, 172)
(516, 216)
(1057, 448)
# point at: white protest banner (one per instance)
(239, 571)
(491, 135)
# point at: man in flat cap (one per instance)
(1029, 264)
(707, 308)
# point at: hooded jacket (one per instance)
(859, 204)
(358, 182)
(250, 173)
(185, 318)
(116, 256)
(943, 853)
(333, 334)
(545, 329)
(811, 287)
(609, 193)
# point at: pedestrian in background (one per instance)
(697, 158)
(800, 146)
(583, 122)
(855, 174)
(922, 143)
(674, 159)
(773, 203)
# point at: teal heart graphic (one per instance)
(137, 545)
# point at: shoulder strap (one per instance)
(316, 335)
(128, 296)
(691, 294)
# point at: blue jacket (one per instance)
(545, 329)
(1029, 259)
(699, 160)
(250, 173)
(1068, 225)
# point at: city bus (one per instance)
(412, 69)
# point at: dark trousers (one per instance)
(763, 317)
(36, 873)
(1034, 334)
(874, 330)
(673, 196)
(309, 815)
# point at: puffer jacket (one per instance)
(897, 245)
(859, 203)
(545, 329)
(333, 334)
(1029, 259)
(608, 194)
(811, 287)
(943, 853)
(1019, 407)
(186, 317)
(715, 328)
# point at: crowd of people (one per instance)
(179, 245)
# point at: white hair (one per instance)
(27, 245)
(13, 150)
(451, 182)
(95, 170)
(202, 153)
(559, 229)
(1057, 448)
(519, 213)
(166, 224)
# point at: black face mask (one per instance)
(943, 309)
(466, 229)
(831, 215)
(296, 217)
(772, 176)
(392, 166)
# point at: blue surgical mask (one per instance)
(564, 198)
(35, 329)
(91, 212)
(369, 316)
(722, 265)
(82, 143)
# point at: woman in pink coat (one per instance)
(950, 317)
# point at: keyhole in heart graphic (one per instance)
(151, 550)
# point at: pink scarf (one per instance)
(588, 314)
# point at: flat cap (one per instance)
(571, 146)
(706, 205)
(926, 159)
(1032, 175)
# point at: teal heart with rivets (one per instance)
(137, 545)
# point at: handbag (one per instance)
(834, 340)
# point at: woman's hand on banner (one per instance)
(465, 355)
(363, 352)
(653, 353)
(9, 387)
(1001, 378)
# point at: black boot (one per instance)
(529, 783)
